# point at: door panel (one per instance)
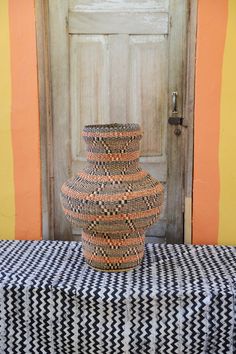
(126, 22)
(118, 69)
(89, 89)
(117, 5)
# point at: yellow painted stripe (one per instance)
(227, 158)
(7, 203)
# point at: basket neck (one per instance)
(115, 150)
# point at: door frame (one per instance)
(46, 123)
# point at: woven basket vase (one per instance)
(112, 199)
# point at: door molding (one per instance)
(189, 106)
(46, 127)
(45, 109)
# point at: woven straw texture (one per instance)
(112, 199)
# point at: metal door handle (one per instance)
(174, 102)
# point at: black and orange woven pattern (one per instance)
(112, 199)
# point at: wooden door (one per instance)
(119, 61)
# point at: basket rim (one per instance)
(117, 127)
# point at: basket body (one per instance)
(112, 199)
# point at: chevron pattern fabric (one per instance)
(181, 299)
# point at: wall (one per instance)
(20, 210)
(214, 193)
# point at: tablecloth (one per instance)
(180, 300)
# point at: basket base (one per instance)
(113, 271)
(113, 252)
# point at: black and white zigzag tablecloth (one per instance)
(180, 300)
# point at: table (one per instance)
(180, 300)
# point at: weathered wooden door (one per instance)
(119, 61)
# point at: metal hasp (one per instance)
(175, 120)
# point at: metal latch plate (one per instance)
(175, 120)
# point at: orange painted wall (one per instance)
(211, 31)
(214, 193)
(23, 117)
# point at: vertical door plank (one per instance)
(175, 144)
(59, 52)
